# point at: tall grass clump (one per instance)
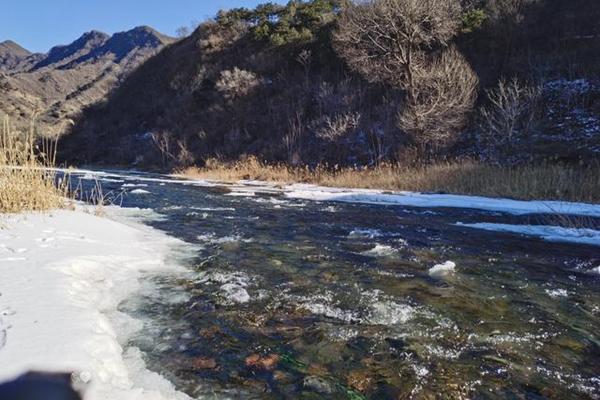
(27, 182)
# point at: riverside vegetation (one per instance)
(25, 178)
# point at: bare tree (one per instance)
(385, 40)
(162, 141)
(405, 43)
(445, 93)
(237, 83)
(511, 113)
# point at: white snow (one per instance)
(63, 276)
(413, 199)
(441, 270)
(545, 232)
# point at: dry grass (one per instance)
(547, 181)
(24, 183)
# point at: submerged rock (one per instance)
(267, 363)
(361, 380)
(318, 385)
(204, 363)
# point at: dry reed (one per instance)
(543, 181)
(26, 183)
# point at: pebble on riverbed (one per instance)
(318, 385)
(267, 363)
(204, 363)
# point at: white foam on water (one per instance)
(556, 293)
(235, 292)
(380, 250)
(139, 191)
(390, 313)
(330, 311)
(232, 285)
(594, 271)
(365, 233)
(212, 238)
(215, 209)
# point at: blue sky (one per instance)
(38, 25)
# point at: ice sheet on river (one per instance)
(549, 233)
(414, 199)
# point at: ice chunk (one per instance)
(444, 269)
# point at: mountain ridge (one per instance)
(57, 85)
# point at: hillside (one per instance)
(275, 82)
(70, 77)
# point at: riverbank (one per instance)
(531, 182)
(64, 275)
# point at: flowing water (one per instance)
(299, 299)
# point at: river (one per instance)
(305, 299)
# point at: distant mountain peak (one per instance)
(144, 33)
(12, 55)
(66, 53)
(14, 48)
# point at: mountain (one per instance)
(59, 84)
(12, 55)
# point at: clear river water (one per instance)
(295, 299)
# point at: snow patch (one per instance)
(414, 199)
(545, 232)
(64, 297)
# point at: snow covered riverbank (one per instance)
(62, 277)
(349, 195)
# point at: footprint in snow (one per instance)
(11, 250)
(8, 312)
